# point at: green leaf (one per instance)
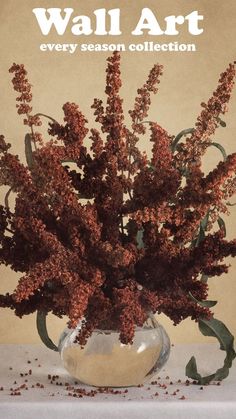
(208, 303)
(6, 199)
(221, 148)
(221, 122)
(139, 239)
(179, 136)
(201, 235)
(192, 372)
(42, 330)
(204, 278)
(217, 329)
(151, 168)
(28, 151)
(184, 172)
(222, 225)
(204, 222)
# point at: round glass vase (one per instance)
(106, 362)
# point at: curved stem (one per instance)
(180, 135)
(46, 116)
(147, 122)
(129, 193)
(32, 131)
(6, 199)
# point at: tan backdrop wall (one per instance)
(189, 78)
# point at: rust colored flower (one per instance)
(117, 235)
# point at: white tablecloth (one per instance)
(176, 400)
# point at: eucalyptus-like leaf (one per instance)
(222, 225)
(217, 329)
(42, 330)
(179, 136)
(151, 168)
(139, 239)
(204, 278)
(221, 148)
(205, 220)
(28, 151)
(192, 372)
(201, 235)
(209, 303)
(6, 199)
(221, 122)
(185, 172)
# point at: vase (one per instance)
(105, 362)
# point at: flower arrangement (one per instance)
(118, 235)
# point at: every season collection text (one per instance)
(147, 46)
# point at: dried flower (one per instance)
(142, 237)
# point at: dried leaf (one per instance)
(221, 122)
(222, 225)
(208, 303)
(221, 148)
(42, 330)
(217, 329)
(139, 239)
(179, 136)
(204, 278)
(28, 151)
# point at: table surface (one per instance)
(26, 369)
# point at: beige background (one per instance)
(189, 78)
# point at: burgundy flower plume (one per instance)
(118, 235)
